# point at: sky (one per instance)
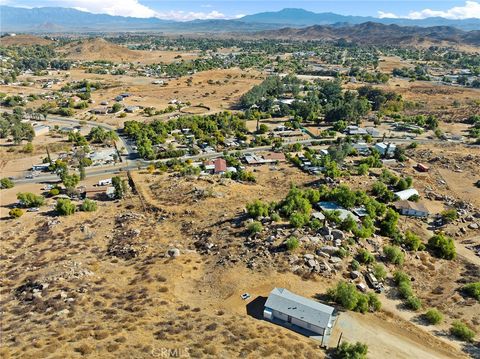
(184, 10)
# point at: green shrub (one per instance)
(347, 295)
(400, 277)
(394, 255)
(54, 192)
(275, 217)
(442, 246)
(351, 351)
(257, 209)
(461, 331)
(6, 183)
(413, 303)
(292, 243)
(28, 199)
(379, 271)
(433, 316)
(472, 290)
(15, 213)
(405, 290)
(354, 265)
(365, 257)
(255, 227)
(449, 215)
(88, 206)
(65, 207)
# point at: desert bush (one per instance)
(351, 351)
(472, 290)
(365, 257)
(88, 206)
(65, 207)
(394, 255)
(461, 331)
(255, 227)
(379, 271)
(28, 199)
(442, 246)
(6, 183)
(433, 316)
(413, 303)
(15, 213)
(292, 243)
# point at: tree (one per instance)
(15, 212)
(292, 243)
(116, 107)
(6, 183)
(412, 241)
(442, 246)
(472, 290)
(461, 331)
(88, 206)
(65, 207)
(120, 186)
(388, 226)
(348, 224)
(433, 316)
(70, 181)
(394, 254)
(351, 351)
(28, 199)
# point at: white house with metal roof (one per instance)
(286, 307)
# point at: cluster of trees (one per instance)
(376, 77)
(347, 295)
(210, 129)
(66, 207)
(416, 73)
(351, 351)
(6, 183)
(100, 135)
(11, 125)
(30, 200)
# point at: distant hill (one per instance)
(377, 34)
(58, 19)
(24, 40)
(301, 17)
(98, 49)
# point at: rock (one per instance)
(314, 240)
(335, 260)
(338, 234)
(63, 295)
(309, 256)
(338, 242)
(355, 274)
(328, 237)
(323, 254)
(312, 263)
(473, 226)
(325, 231)
(329, 249)
(173, 252)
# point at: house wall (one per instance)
(316, 329)
(414, 213)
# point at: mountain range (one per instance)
(58, 19)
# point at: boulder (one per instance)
(173, 252)
(338, 234)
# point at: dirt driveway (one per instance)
(390, 338)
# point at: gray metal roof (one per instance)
(299, 307)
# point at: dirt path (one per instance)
(466, 253)
(388, 337)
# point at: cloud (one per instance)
(389, 15)
(471, 9)
(131, 8)
(179, 15)
(134, 8)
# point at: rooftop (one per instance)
(300, 307)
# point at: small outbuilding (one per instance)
(288, 309)
(406, 194)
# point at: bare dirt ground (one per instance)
(109, 290)
(24, 40)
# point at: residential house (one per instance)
(289, 309)
(218, 166)
(385, 149)
(414, 209)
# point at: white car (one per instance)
(33, 209)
